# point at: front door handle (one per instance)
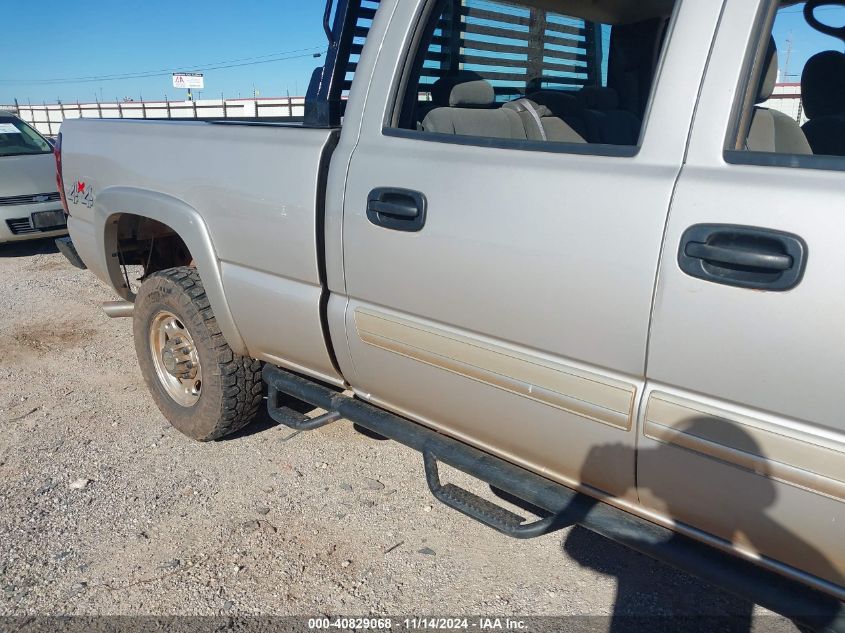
(397, 209)
(743, 256)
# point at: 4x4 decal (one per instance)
(79, 193)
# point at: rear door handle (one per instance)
(738, 257)
(397, 209)
(402, 210)
(743, 256)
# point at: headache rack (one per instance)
(325, 100)
(532, 49)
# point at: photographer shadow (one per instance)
(650, 595)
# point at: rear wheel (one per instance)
(200, 385)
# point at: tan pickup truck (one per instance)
(580, 249)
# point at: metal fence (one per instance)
(48, 117)
(787, 99)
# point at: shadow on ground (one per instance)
(263, 421)
(29, 248)
(651, 596)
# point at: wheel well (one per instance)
(150, 244)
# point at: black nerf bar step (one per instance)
(807, 606)
(292, 418)
(482, 510)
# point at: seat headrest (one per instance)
(823, 84)
(598, 98)
(464, 90)
(557, 101)
(769, 79)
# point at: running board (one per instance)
(294, 419)
(803, 604)
(482, 510)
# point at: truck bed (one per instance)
(246, 196)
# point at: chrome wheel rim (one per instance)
(175, 358)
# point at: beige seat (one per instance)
(466, 105)
(771, 130)
(541, 125)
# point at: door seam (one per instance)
(643, 403)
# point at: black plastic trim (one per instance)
(803, 604)
(796, 161)
(320, 230)
(743, 256)
(582, 149)
(397, 209)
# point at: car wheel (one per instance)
(202, 387)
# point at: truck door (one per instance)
(500, 257)
(743, 432)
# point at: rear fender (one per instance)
(112, 202)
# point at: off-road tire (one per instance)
(232, 389)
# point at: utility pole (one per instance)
(789, 49)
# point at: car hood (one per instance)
(22, 175)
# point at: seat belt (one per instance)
(529, 107)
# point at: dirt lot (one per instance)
(104, 509)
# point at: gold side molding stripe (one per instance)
(791, 456)
(576, 391)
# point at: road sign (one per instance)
(189, 80)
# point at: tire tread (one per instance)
(242, 386)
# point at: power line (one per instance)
(818, 10)
(313, 51)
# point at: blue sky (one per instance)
(88, 38)
(56, 39)
(806, 41)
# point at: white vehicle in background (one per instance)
(29, 202)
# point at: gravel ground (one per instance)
(104, 509)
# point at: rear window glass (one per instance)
(17, 138)
(521, 70)
(518, 49)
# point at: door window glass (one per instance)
(795, 96)
(567, 71)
